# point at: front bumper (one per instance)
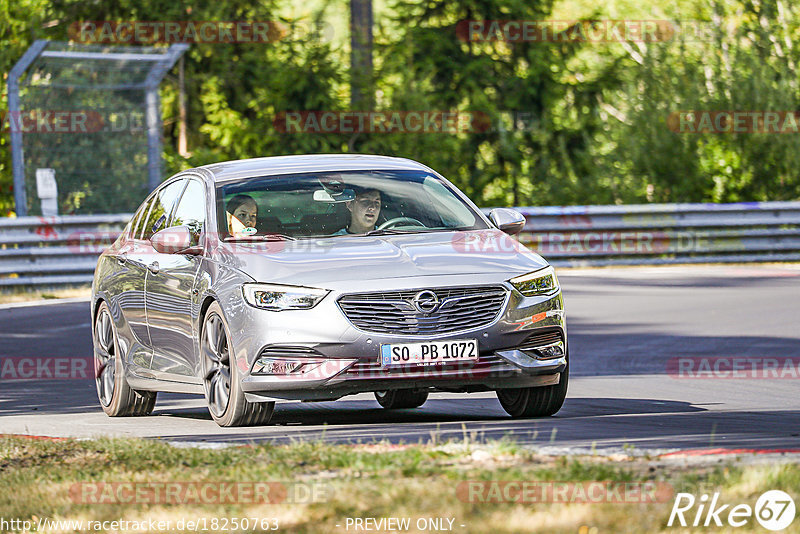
(328, 357)
(334, 378)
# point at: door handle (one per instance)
(153, 267)
(122, 259)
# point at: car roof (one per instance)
(244, 168)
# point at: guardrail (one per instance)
(54, 251)
(665, 233)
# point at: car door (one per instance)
(169, 293)
(129, 279)
(142, 254)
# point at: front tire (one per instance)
(535, 402)
(115, 395)
(222, 380)
(401, 398)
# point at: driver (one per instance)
(242, 213)
(364, 211)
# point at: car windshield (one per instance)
(333, 204)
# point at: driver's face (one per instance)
(365, 210)
(246, 213)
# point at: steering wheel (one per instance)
(391, 223)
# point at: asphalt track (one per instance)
(625, 324)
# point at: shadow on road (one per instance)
(26, 397)
(583, 422)
(346, 412)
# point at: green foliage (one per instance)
(570, 123)
(746, 62)
(19, 21)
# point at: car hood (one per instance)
(333, 262)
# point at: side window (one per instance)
(191, 210)
(161, 207)
(139, 219)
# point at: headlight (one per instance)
(277, 298)
(537, 283)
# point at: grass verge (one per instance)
(29, 294)
(316, 487)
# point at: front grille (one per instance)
(393, 312)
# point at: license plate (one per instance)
(429, 353)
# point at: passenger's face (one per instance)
(246, 213)
(365, 210)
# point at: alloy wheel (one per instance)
(105, 358)
(218, 365)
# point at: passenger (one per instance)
(242, 212)
(364, 211)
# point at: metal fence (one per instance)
(55, 251)
(665, 233)
(89, 118)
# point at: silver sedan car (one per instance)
(308, 278)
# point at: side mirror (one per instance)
(509, 221)
(175, 240)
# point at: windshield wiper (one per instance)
(263, 237)
(449, 229)
(390, 231)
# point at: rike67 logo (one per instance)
(774, 510)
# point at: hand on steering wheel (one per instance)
(391, 223)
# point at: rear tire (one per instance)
(115, 395)
(535, 402)
(222, 381)
(401, 398)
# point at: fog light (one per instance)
(554, 350)
(273, 366)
